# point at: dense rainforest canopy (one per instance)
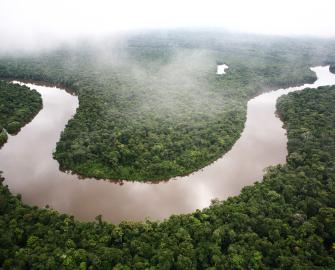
(18, 105)
(287, 221)
(152, 105)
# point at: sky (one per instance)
(38, 22)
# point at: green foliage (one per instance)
(152, 106)
(332, 68)
(287, 221)
(13, 127)
(3, 136)
(18, 105)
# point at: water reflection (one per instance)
(221, 69)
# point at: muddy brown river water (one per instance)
(27, 164)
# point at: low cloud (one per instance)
(40, 23)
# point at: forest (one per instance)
(18, 105)
(332, 68)
(152, 106)
(286, 221)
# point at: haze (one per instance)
(40, 22)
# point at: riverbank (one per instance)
(156, 112)
(18, 106)
(262, 144)
(284, 222)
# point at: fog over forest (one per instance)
(122, 147)
(40, 24)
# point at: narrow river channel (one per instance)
(27, 164)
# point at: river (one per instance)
(29, 169)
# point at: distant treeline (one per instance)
(287, 221)
(18, 105)
(152, 106)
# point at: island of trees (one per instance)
(287, 221)
(18, 105)
(152, 106)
